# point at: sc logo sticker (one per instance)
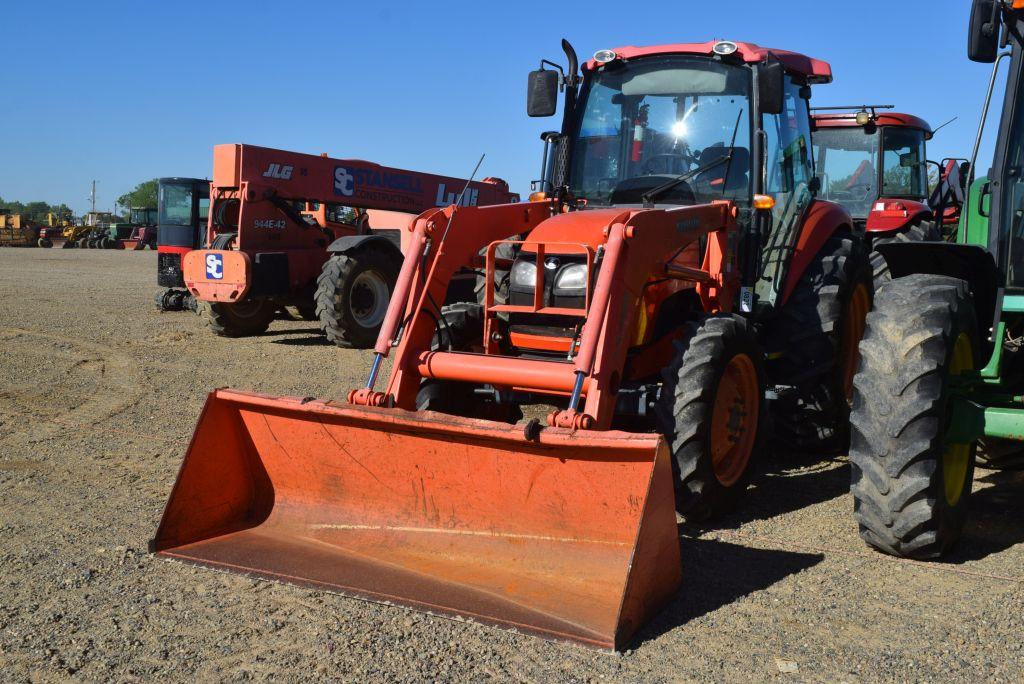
(214, 267)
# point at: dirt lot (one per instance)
(98, 396)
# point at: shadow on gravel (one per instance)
(994, 519)
(784, 487)
(717, 573)
(317, 340)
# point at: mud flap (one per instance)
(572, 536)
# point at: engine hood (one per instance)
(576, 227)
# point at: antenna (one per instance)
(458, 201)
(945, 124)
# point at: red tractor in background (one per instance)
(183, 206)
(876, 166)
(290, 229)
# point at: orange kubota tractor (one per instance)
(319, 234)
(675, 267)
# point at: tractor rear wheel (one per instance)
(910, 485)
(919, 231)
(813, 347)
(240, 319)
(352, 296)
(711, 411)
(83, 243)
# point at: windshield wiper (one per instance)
(648, 197)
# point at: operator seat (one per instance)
(738, 169)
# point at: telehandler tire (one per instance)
(238, 320)
(45, 242)
(813, 347)
(919, 231)
(911, 488)
(352, 295)
(712, 412)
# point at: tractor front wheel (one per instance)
(910, 484)
(711, 411)
(352, 296)
(240, 319)
(461, 329)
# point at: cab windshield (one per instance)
(176, 205)
(847, 162)
(643, 123)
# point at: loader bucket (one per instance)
(570, 536)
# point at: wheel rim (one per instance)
(957, 457)
(854, 324)
(247, 309)
(734, 420)
(369, 299)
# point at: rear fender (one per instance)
(821, 221)
(970, 263)
(882, 220)
(387, 240)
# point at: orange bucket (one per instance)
(571, 536)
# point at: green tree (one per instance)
(144, 195)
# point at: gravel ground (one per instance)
(98, 396)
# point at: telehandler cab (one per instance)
(942, 375)
(675, 266)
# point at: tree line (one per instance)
(142, 195)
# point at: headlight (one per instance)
(524, 274)
(572, 278)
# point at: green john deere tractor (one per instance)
(941, 380)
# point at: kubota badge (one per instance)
(214, 267)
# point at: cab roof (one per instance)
(814, 70)
(894, 119)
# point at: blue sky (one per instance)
(125, 91)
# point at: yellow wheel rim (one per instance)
(957, 457)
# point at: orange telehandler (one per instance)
(319, 234)
(653, 292)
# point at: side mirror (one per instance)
(983, 38)
(770, 86)
(542, 93)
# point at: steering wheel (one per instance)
(646, 169)
(866, 188)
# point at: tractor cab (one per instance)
(141, 216)
(876, 166)
(672, 126)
